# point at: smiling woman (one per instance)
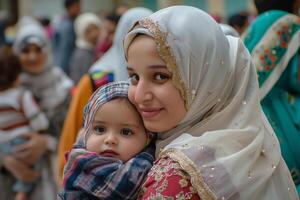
(198, 89)
(33, 58)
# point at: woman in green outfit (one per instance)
(273, 40)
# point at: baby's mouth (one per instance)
(109, 153)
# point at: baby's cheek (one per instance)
(92, 144)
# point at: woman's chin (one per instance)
(36, 70)
(156, 127)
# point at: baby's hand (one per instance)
(20, 170)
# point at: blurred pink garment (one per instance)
(49, 31)
(102, 47)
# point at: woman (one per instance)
(87, 28)
(111, 67)
(273, 40)
(51, 88)
(198, 90)
(48, 83)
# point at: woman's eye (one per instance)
(126, 132)
(99, 129)
(25, 51)
(161, 77)
(133, 78)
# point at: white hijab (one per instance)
(81, 24)
(225, 142)
(229, 30)
(114, 59)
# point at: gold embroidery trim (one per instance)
(187, 165)
(167, 55)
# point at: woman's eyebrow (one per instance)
(129, 68)
(157, 66)
(150, 66)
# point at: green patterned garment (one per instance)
(273, 41)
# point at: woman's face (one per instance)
(33, 59)
(152, 91)
(92, 34)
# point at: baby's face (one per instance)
(117, 131)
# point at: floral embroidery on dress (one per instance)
(167, 181)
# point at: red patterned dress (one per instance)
(167, 181)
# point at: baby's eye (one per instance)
(99, 129)
(133, 78)
(161, 77)
(126, 132)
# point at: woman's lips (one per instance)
(109, 153)
(150, 113)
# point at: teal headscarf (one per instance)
(273, 40)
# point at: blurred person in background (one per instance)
(19, 115)
(64, 35)
(48, 83)
(121, 8)
(273, 40)
(4, 22)
(110, 67)
(87, 28)
(291, 6)
(51, 89)
(239, 22)
(46, 23)
(110, 23)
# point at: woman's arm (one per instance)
(167, 179)
(88, 173)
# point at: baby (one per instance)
(114, 152)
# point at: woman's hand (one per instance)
(32, 149)
(20, 170)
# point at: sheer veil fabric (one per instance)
(224, 142)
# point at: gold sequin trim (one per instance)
(183, 183)
(167, 55)
(196, 179)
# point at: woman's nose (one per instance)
(143, 93)
(32, 55)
